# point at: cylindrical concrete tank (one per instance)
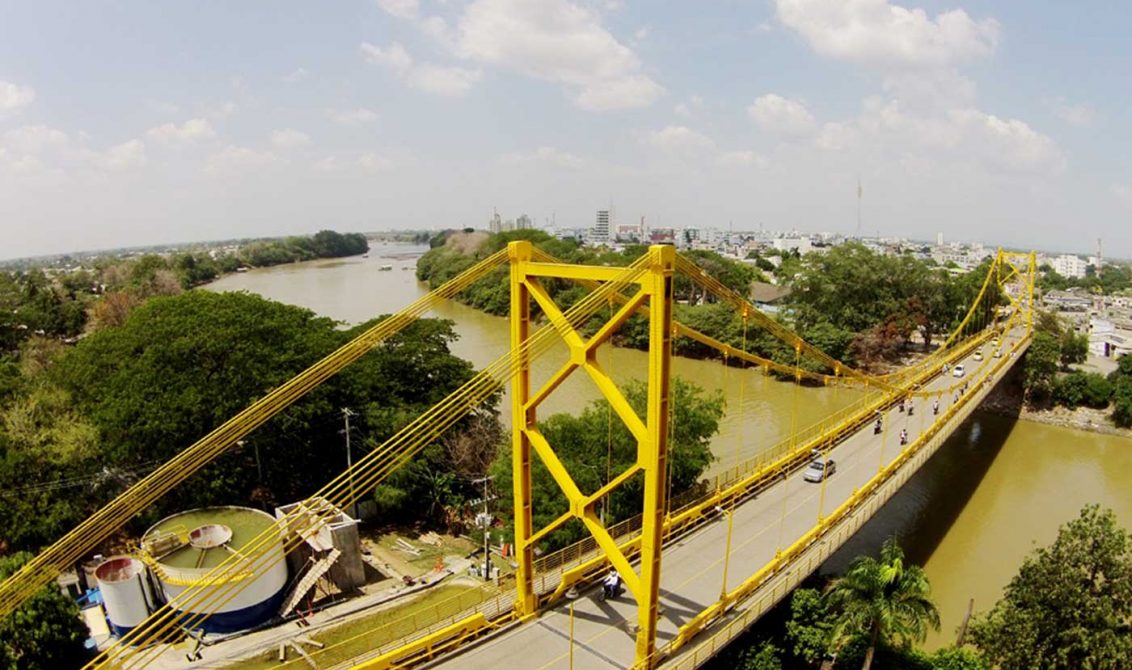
(188, 545)
(121, 579)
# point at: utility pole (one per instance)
(346, 413)
(486, 517)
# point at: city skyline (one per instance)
(132, 124)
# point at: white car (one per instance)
(958, 371)
(819, 469)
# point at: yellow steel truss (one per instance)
(654, 287)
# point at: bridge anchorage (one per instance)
(675, 618)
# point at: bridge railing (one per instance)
(771, 462)
(766, 587)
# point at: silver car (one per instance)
(819, 469)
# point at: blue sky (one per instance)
(144, 122)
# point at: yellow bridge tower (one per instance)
(654, 290)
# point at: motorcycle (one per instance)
(611, 591)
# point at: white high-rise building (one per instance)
(939, 239)
(599, 234)
(1068, 265)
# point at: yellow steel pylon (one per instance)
(654, 288)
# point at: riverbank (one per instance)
(1007, 400)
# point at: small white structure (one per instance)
(125, 592)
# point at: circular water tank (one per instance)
(188, 545)
(121, 579)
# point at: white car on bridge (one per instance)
(819, 469)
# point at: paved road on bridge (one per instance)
(692, 571)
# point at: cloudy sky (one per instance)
(131, 122)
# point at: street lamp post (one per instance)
(486, 526)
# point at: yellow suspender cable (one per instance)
(84, 537)
(396, 451)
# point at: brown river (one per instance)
(970, 516)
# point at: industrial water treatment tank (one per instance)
(186, 546)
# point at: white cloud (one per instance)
(937, 89)
(289, 138)
(122, 156)
(678, 139)
(13, 96)
(367, 162)
(328, 164)
(193, 130)
(878, 32)
(1011, 142)
(1079, 115)
(34, 139)
(295, 75)
(372, 162)
(446, 81)
(548, 155)
(221, 110)
(393, 57)
(776, 114)
(740, 159)
(1123, 192)
(236, 159)
(352, 117)
(963, 135)
(559, 42)
(689, 108)
(402, 9)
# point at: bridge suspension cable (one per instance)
(62, 554)
(219, 586)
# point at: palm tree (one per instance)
(882, 600)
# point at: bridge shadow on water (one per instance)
(922, 512)
(920, 515)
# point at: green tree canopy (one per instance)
(882, 601)
(593, 443)
(180, 366)
(45, 633)
(1070, 605)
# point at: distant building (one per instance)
(523, 222)
(1068, 265)
(802, 244)
(599, 234)
(939, 239)
(495, 223)
(629, 233)
(1068, 301)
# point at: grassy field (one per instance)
(365, 633)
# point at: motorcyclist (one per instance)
(903, 436)
(879, 426)
(935, 406)
(611, 584)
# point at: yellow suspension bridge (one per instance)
(700, 567)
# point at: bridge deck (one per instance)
(692, 573)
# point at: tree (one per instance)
(882, 601)
(957, 658)
(45, 632)
(1122, 401)
(183, 365)
(1040, 365)
(1070, 604)
(589, 449)
(810, 628)
(1074, 347)
(761, 656)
